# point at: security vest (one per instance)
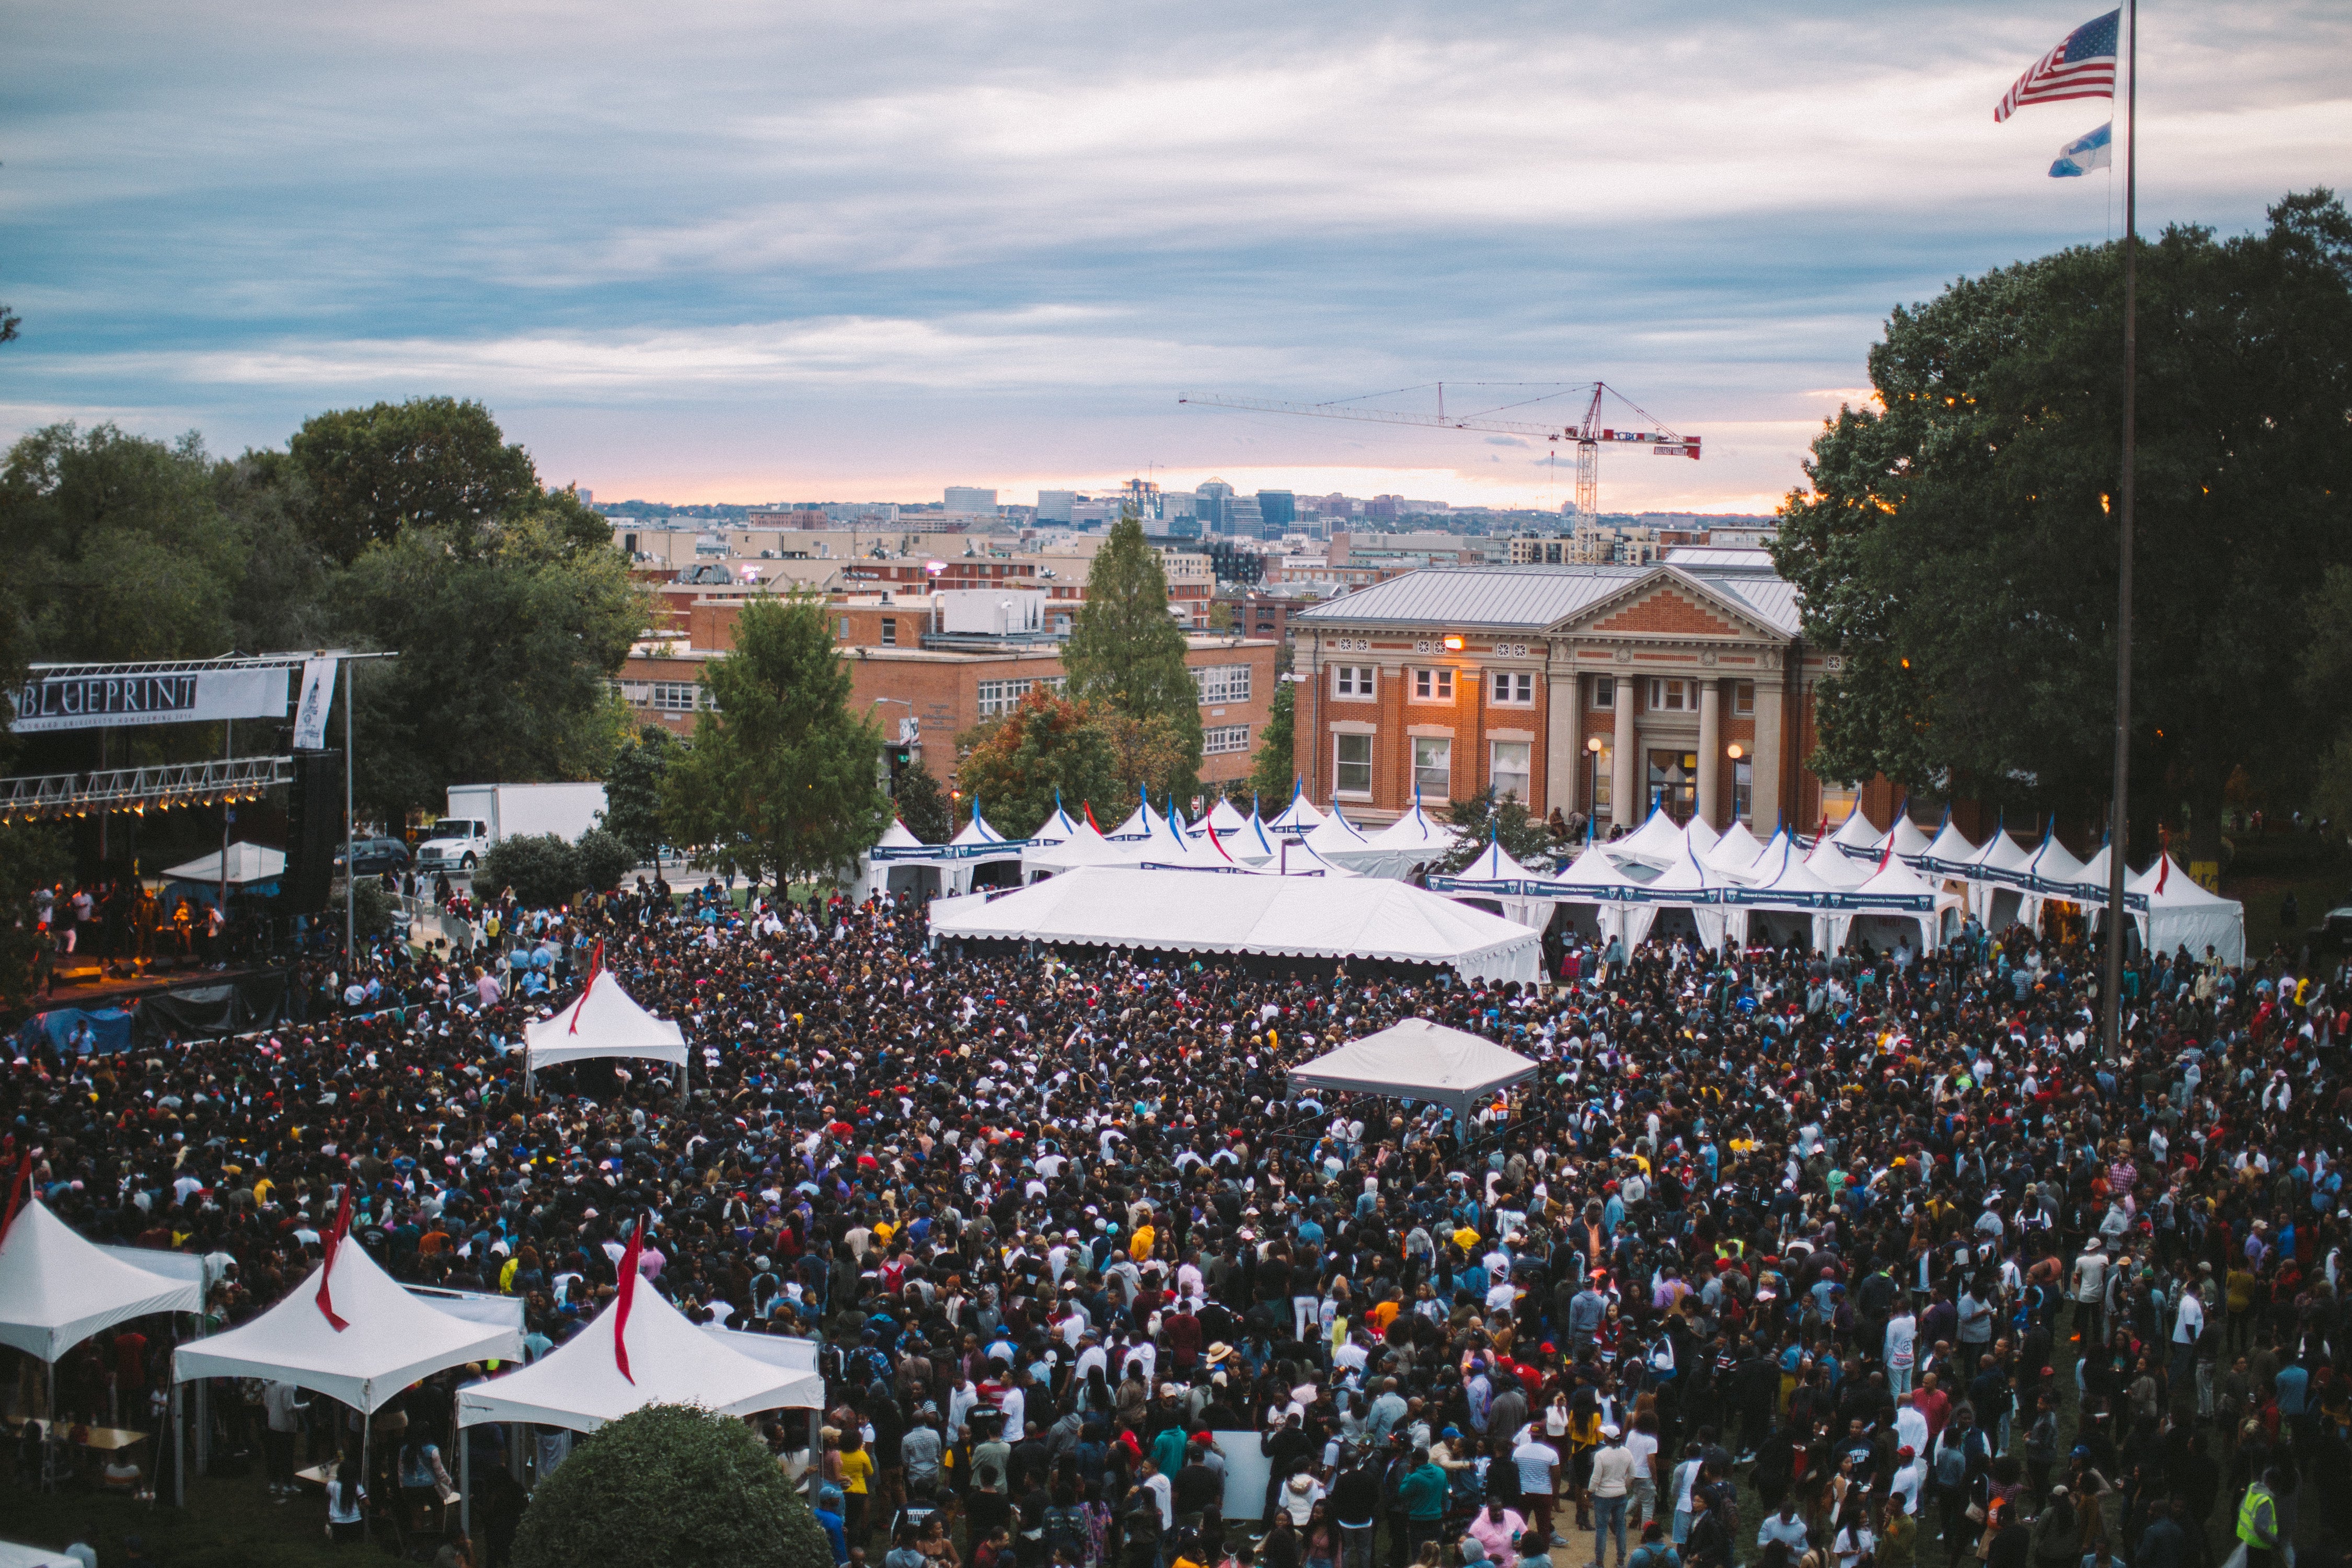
(2256, 1496)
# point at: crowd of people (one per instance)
(1781, 1258)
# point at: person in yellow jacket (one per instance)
(2258, 1524)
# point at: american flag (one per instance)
(2081, 67)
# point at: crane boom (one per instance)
(1587, 435)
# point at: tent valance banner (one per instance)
(84, 701)
(1417, 1059)
(56, 1289)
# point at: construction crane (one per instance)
(1588, 435)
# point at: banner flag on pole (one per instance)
(311, 713)
(2081, 67)
(2084, 153)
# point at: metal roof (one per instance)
(1538, 596)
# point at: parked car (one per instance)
(375, 856)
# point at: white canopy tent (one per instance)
(1896, 892)
(1300, 859)
(1998, 867)
(898, 851)
(1335, 835)
(1594, 880)
(1223, 817)
(1298, 818)
(1056, 827)
(1829, 861)
(56, 1289)
(603, 1022)
(1906, 837)
(1250, 843)
(392, 1339)
(14, 1555)
(1657, 843)
(1948, 854)
(1143, 822)
(1780, 881)
(248, 864)
(1734, 852)
(2050, 872)
(1417, 1059)
(2182, 914)
(1289, 917)
(579, 1386)
(1086, 846)
(1413, 839)
(1857, 834)
(1687, 884)
(1494, 874)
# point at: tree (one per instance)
(603, 859)
(668, 1486)
(1125, 653)
(1048, 748)
(923, 807)
(633, 784)
(1509, 823)
(1271, 771)
(510, 638)
(1147, 755)
(782, 775)
(1955, 545)
(430, 462)
(543, 870)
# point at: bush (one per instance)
(670, 1487)
(606, 859)
(372, 910)
(542, 870)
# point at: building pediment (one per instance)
(1669, 605)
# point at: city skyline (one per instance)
(736, 252)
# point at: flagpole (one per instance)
(2111, 999)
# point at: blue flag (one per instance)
(2084, 153)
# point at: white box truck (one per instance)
(483, 814)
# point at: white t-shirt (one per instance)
(1537, 1461)
(1644, 1448)
(1901, 1334)
(2191, 1322)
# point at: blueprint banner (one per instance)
(318, 695)
(105, 701)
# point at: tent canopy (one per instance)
(391, 1340)
(1295, 917)
(56, 1289)
(14, 1555)
(604, 1022)
(579, 1385)
(1657, 842)
(1417, 1059)
(2182, 914)
(1857, 834)
(1297, 818)
(1734, 852)
(248, 864)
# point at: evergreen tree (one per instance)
(1509, 823)
(781, 779)
(1272, 772)
(923, 806)
(632, 789)
(1126, 654)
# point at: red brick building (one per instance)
(1604, 689)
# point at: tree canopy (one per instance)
(782, 775)
(1126, 656)
(430, 462)
(670, 1487)
(1957, 544)
(1016, 766)
(1272, 773)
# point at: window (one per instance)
(844, 628)
(1352, 680)
(1222, 683)
(1604, 691)
(1433, 767)
(1671, 696)
(1838, 801)
(1224, 740)
(1509, 770)
(674, 696)
(890, 632)
(998, 697)
(1743, 789)
(1515, 688)
(1354, 772)
(1433, 686)
(1674, 783)
(1743, 698)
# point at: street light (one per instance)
(1592, 786)
(1733, 752)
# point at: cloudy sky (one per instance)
(737, 251)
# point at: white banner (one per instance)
(107, 701)
(310, 711)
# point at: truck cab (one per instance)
(454, 844)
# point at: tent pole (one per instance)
(465, 1485)
(204, 1424)
(49, 1426)
(367, 1440)
(179, 1451)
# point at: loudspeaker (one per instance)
(314, 831)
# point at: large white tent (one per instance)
(896, 862)
(1593, 880)
(1828, 861)
(1897, 892)
(56, 1289)
(391, 1339)
(1857, 835)
(1905, 839)
(1085, 846)
(1291, 917)
(1779, 880)
(579, 1386)
(2182, 914)
(1949, 854)
(1417, 1059)
(603, 1022)
(1056, 827)
(1997, 868)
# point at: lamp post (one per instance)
(1735, 751)
(1592, 786)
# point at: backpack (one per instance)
(1066, 1528)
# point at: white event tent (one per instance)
(1657, 843)
(391, 1339)
(1734, 852)
(56, 1289)
(1413, 839)
(1857, 835)
(603, 1022)
(16, 1555)
(1593, 882)
(1687, 884)
(579, 1386)
(1782, 881)
(1298, 818)
(2182, 914)
(1085, 846)
(1417, 1059)
(1494, 874)
(1288, 917)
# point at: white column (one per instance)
(1711, 752)
(1765, 804)
(1626, 786)
(1563, 744)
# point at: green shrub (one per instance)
(542, 870)
(605, 860)
(670, 1487)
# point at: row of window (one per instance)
(1225, 740)
(1507, 766)
(665, 696)
(1222, 683)
(1672, 694)
(1517, 689)
(998, 697)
